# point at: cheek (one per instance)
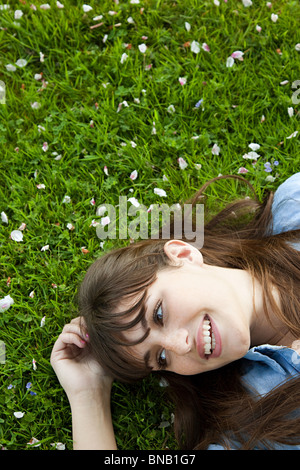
(186, 366)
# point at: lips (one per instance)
(200, 341)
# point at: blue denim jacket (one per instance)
(267, 366)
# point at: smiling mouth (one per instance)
(209, 339)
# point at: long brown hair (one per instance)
(213, 407)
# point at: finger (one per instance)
(75, 328)
(81, 322)
(67, 339)
(71, 327)
(65, 342)
(76, 320)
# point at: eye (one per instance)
(158, 317)
(158, 314)
(161, 361)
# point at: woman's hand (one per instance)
(87, 386)
(76, 369)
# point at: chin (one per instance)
(239, 347)
(243, 347)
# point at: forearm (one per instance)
(91, 422)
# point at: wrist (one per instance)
(90, 397)
(91, 420)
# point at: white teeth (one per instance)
(213, 343)
(208, 338)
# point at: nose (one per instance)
(177, 341)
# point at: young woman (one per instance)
(220, 324)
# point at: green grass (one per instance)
(77, 63)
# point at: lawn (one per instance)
(117, 99)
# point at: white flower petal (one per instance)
(86, 8)
(34, 442)
(171, 109)
(160, 192)
(105, 221)
(215, 150)
(16, 235)
(100, 211)
(254, 146)
(5, 303)
(134, 175)
(270, 178)
(21, 62)
(142, 48)
(229, 62)
(59, 446)
(134, 201)
(195, 47)
(237, 55)
(292, 135)
(10, 68)
(182, 163)
(124, 57)
(251, 156)
(35, 105)
(4, 218)
(18, 14)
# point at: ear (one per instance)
(180, 252)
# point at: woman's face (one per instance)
(199, 315)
